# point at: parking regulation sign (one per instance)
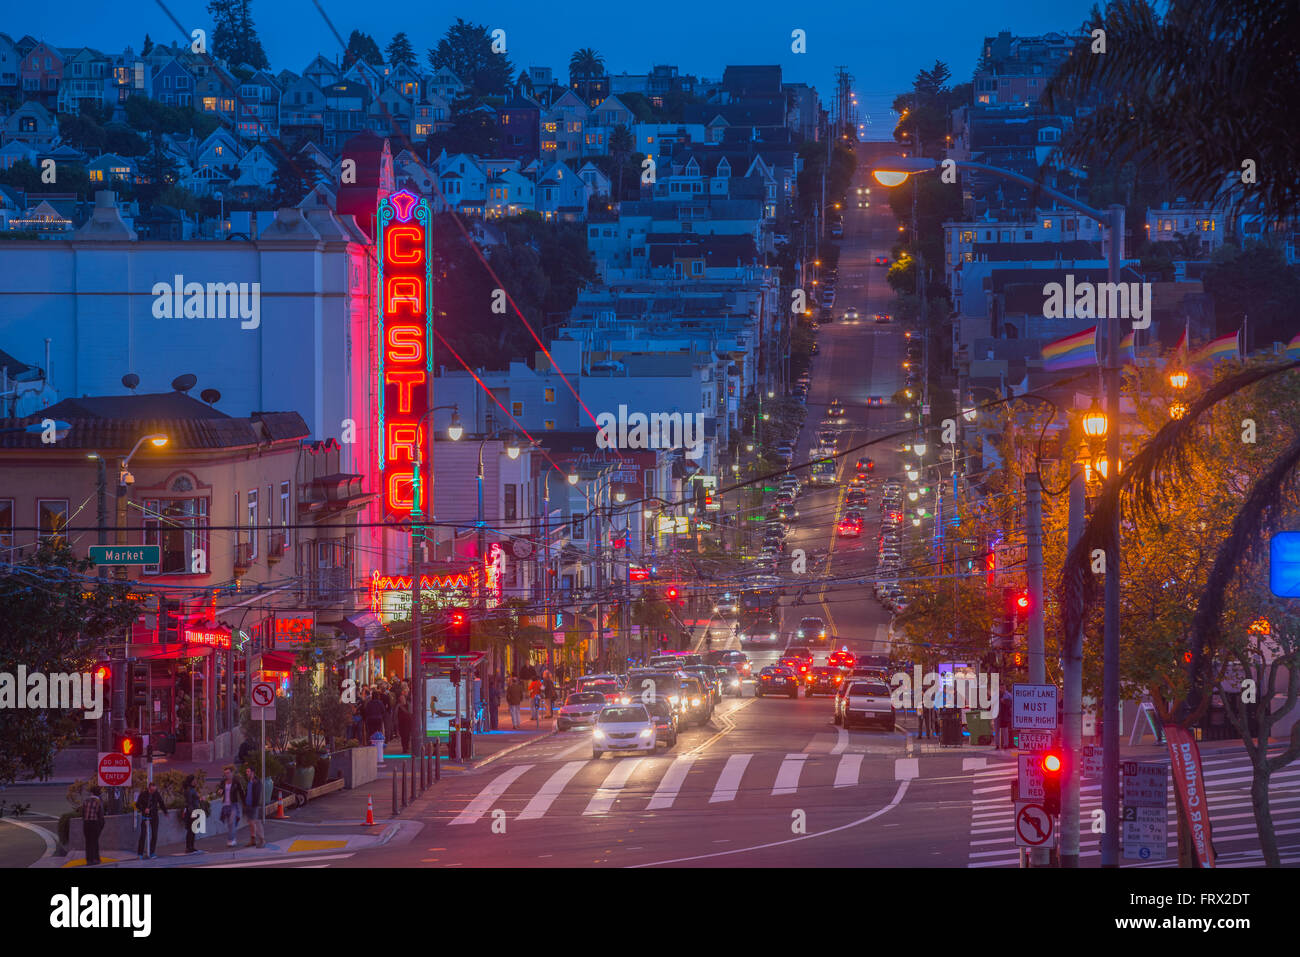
(1145, 831)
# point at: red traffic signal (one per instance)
(130, 745)
(104, 674)
(1022, 602)
(672, 593)
(1053, 764)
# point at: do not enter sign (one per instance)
(114, 769)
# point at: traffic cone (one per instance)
(370, 813)
(279, 812)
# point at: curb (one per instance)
(511, 750)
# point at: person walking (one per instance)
(548, 692)
(514, 698)
(376, 713)
(192, 804)
(390, 715)
(254, 810)
(150, 805)
(232, 795)
(1005, 706)
(535, 696)
(404, 722)
(92, 824)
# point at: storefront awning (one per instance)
(276, 661)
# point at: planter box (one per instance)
(121, 834)
(357, 765)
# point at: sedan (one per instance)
(823, 680)
(812, 629)
(881, 317)
(842, 659)
(777, 680)
(851, 315)
(732, 681)
(882, 260)
(665, 718)
(848, 529)
(580, 710)
(623, 728)
(865, 702)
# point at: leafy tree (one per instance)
(70, 179)
(287, 185)
(56, 615)
(150, 116)
(124, 141)
(234, 36)
(621, 145)
(1255, 282)
(157, 168)
(1153, 104)
(472, 131)
(585, 66)
(400, 52)
(178, 197)
(362, 46)
(466, 50)
(82, 132)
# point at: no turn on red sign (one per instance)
(114, 769)
(1034, 826)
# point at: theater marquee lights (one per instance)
(405, 345)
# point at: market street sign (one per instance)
(125, 554)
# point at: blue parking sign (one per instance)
(1284, 564)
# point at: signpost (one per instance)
(1034, 707)
(114, 769)
(1030, 780)
(1034, 740)
(262, 708)
(1091, 761)
(1146, 818)
(125, 554)
(1034, 826)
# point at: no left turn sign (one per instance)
(1034, 826)
(263, 694)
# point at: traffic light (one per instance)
(131, 745)
(457, 632)
(138, 695)
(1053, 765)
(673, 594)
(104, 674)
(1022, 605)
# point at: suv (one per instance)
(695, 702)
(865, 701)
(811, 628)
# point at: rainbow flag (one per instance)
(1128, 349)
(1224, 347)
(1072, 352)
(1293, 348)
(1183, 342)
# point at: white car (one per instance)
(623, 728)
(865, 702)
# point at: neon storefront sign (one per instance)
(405, 307)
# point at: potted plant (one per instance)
(305, 757)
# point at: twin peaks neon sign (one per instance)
(405, 248)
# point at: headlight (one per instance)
(598, 734)
(674, 699)
(735, 682)
(647, 732)
(695, 702)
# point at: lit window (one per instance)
(549, 394)
(516, 409)
(548, 424)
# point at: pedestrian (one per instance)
(376, 713)
(254, 810)
(404, 722)
(535, 696)
(514, 698)
(390, 716)
(548, 692)
(924, 719)
(191, 806)
(494, 702)
(232, 794)
(150, 805)
(1005, 705)
(92, 824)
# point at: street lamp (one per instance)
(1178, 379)
(913, 475)
(919, 448)
(1095, 424)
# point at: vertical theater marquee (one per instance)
(405, 347)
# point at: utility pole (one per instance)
(1072, 665)
(1038, 857)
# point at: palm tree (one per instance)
(1199, 117)
(584, 66)
(1145, 487)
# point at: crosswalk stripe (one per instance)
(846, 774)
(541, 801)
(488, 796)
(607, 794)
(787, 778)
(729, 780)
(671, 783)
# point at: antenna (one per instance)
(130, 381)
(183, 383)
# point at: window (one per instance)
(178, 526)
(579, 529)
(52, 516)
(549, 393)
(548, 424)
(516, 409)
(284, 511)
(1047, 224)
(511, 502)
(6, 523)
(649, 482)
(697, 267)
(1029, 235)
(252, 521)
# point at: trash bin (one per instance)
(980, 728)
(950, 728)
(460, 743)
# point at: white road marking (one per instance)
(842, 741)
(541, 801)
(905, 769)
(974, 764)
(281, 861)
(488, 796)
(729, 780)
(787, 778)
(846, 775)
(672, 783)
(607, 793)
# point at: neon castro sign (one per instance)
(405, 346)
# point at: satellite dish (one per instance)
(183, 383)
(210, 396)
(131, 380)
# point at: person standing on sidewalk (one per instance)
(150, 805)
(376, 712)
(535, 696)
(494, 702)
(1005, 705)
(548, 692)
(192, 804)
(92, 824)
(404, 723)
(254, 810)
(232, 793)
(515, 698)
